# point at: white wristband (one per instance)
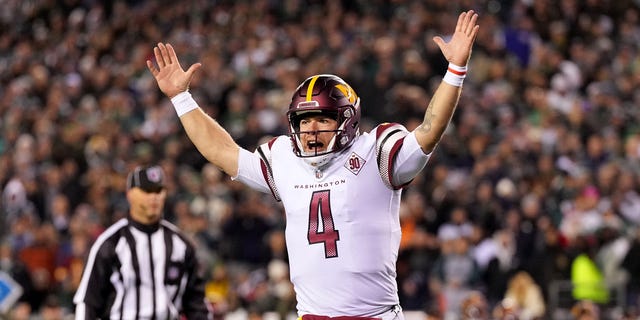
(183, 103)
(455, 75)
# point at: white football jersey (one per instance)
(342, 223)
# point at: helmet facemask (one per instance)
(319, 153)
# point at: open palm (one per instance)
(458, 49)
(171, 78)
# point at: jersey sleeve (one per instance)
(399, 155)
(91, 293)
(255, 170)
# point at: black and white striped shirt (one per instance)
(137, 271)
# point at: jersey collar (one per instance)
(146, 228)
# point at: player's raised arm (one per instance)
(443, 103)
(211, 139)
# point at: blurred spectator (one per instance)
(583, 217)
(455, 272)
(525, 296)
(586, 276)
(22, 311)
(612, 249)
(418, 251)
(281, 288)
(40, 259)
(626, 197)
(496, 259)
(16, 205)
(245, 232)
(585, 310)
(529, 237)
(53, 310)
(474, 307)
(217, 290)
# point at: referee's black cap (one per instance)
(149, 179)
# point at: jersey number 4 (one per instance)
(326, 233)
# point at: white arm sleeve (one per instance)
(250, 171)
(409, 161)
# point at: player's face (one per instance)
(317, 132)
(146, 207)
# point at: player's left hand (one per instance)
(458, 49)
(171, 78)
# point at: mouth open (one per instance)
(315, 145)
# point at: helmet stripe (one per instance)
(310, 87)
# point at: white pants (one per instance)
(395, 313)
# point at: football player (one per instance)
(340, 187)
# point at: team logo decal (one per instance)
(348, 92)
(154, 174)
(354, 163)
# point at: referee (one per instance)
(142, 266)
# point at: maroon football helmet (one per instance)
(327, 94)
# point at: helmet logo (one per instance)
(348, 92)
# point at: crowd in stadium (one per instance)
(537, 176)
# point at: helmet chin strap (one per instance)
(320, 160)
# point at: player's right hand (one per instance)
(171, 78)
